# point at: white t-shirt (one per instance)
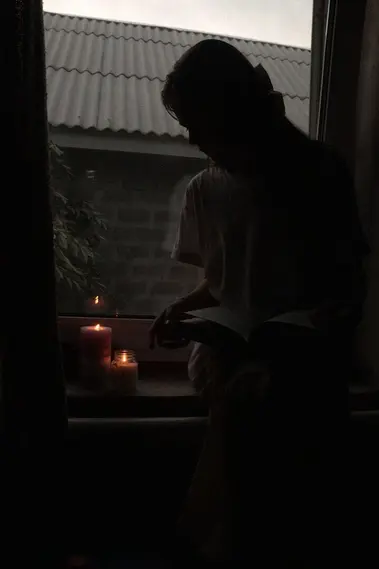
(268, 251)
(229, 228)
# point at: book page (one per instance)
(242, 323)
(234, 321)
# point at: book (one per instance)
(243, 325)
(235, 322)
(219, 326)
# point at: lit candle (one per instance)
(96, 305)
(95, 353)
(124, 372)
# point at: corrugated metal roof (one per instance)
(109, 75)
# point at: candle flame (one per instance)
(97, 327)
(96, 300)
(124, 357)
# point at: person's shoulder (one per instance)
(336, 189)
(209, 175)
(326, 175)
(207, 179)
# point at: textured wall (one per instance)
(141, 196)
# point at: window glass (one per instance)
(120, 164)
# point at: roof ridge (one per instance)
(139, 77)
(168, 28)
(278, 58)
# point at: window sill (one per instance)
(170, 395)
(122, 424)
(161, 396)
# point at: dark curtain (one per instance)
(365, 460)
(367, 181)
(351, 124)
(33, 396)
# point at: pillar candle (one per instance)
(95, 354)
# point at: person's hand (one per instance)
(170, 314)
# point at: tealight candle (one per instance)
(95, 353)
(124, 372)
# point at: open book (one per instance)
(236, 323)
(219, 326)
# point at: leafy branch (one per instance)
(78, 230)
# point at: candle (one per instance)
(95, 354)
(96, 305)
(124, 372)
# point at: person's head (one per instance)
(227, 105)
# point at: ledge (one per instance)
(164, 392)
(136, 423)
(158, 396)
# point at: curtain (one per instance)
(367, 180)
(348, 119)
(33, 395)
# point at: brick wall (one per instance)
(140, 196)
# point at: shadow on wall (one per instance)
(140, 196)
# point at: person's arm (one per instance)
(187, 250)
(200, 297)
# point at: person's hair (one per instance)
(217, 77)
(212, 74)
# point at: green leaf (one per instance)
(62, 240)
(74, 248)
(78, 287)
(77, 230)
(58, 273)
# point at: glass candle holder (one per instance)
(124, 372)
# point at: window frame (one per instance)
(131, 332)
(319, 21)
